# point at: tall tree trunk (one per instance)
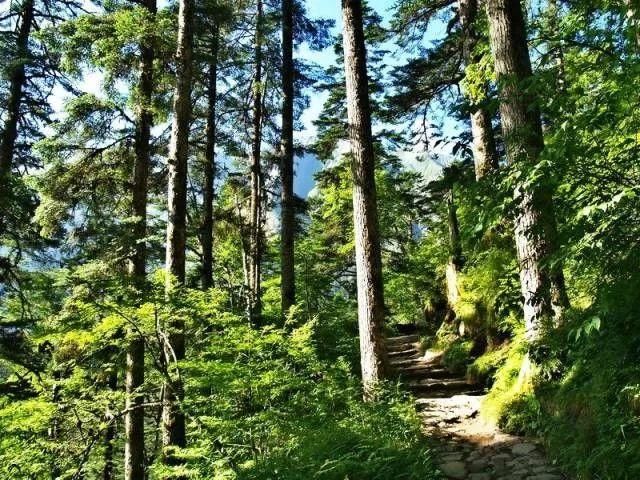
(134, 377)
(522, 129)
(110, 434)
(485, 156)
(206, 274)
(455, 257)
(373, 357)
(17, 80)
(287, 282)
(559, 298)
(173, 421)
(255, 258)
(134, 418)
(53, 434)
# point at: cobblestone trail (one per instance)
(467, 447)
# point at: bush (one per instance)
(521, 415)
(457, 356)
(269, 404)
(484, 368)
(583, 399)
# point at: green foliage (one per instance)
(521, 415)
(24, 449)
(484, 368)
(506, 387)
(595, 398)
(457, 356)
(585, 388)
(275, 402)
(487, 290)
(266, 405)
(283, 400)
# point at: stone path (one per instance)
(467, 447)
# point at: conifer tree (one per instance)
(134, 419)
(173, 419)
(535, 228)
(256, 174)
(287, 221)
(365, 219)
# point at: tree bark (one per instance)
(17, 80)
(206, 274)
(255, 257)
(485, 156)
(53, 434)
(287, 253)
(173, 421)
(373, 356)
(110, 435)
(455, 256)
(522, 129)
(134, 418)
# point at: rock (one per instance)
(546, 476)
(479, 476)
(499, 461)
(475, 455)
(456, 470)
(523, 448)
(477, 465)
(541, 469)
(451, 457)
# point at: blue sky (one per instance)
(331, 9)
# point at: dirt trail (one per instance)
(467, 447)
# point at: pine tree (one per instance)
(485, 156)
(522, 129)
(134, 419)
(17, 80)
(365, 219)
(257, 178)
(287, 218)
(173, 420)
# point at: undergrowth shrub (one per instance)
(585, 394)
(268, 404)
(506, 389)
(484, 368)
(457, 356)
(593, 403)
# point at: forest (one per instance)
(320, 239)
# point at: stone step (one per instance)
(413, 361)
(403, 339)
(424, 397)
(399, 347)
(444, 395)
(449, 386)
(403, 353)
(423, 371)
